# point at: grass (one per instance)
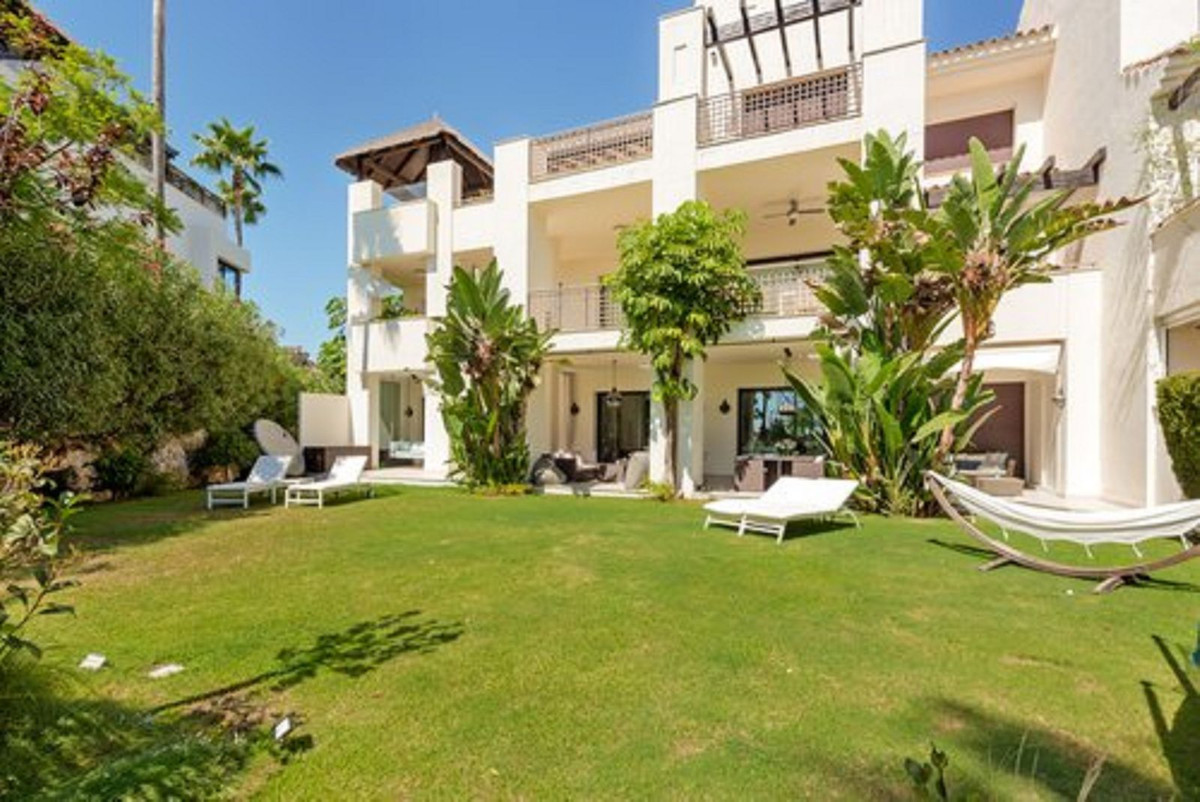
(442, 645)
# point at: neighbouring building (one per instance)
(757, 100)
(204, 239)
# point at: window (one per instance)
(624, 428)
(230, 278)
(949, 140)
(772, 420)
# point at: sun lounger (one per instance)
(789, 499)
(346, 474)
(266, 476)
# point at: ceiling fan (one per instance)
(795, 210)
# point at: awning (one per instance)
(1029, 358)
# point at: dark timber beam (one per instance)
(750, 40)
(716, 37)
(850, 27)
(1184, 90)
(1047, 177)
(787, 56)
(816, 18)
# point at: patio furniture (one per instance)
(1123, 527)
(756, 473)
(319, 459)
(266, 476)
(276, 441)
(410, 450)
(789, 499)
(346, 474)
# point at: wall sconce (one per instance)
(1058, 399)
(724, 406)
(574, 408)
(408, 412)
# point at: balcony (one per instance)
(406, 229)
(784, 106)
(613, 142)
(785, 293)
(394, 346)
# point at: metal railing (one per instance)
(618, 141)
(796, 103)
(587, 307)
(590, 307)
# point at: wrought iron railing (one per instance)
(796, 103)
(618, 141)
(786, 292)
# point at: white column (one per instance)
(681, 63)
(444, 190)
(674, 183)
(511, 210)
(361, 306)
(1082, 387)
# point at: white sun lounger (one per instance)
(265, 477)
(346, 474)
(789, 499)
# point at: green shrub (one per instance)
(1179, 416)
(225, 449)
(121, 470)
(660, 491)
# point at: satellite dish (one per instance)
(276, 441)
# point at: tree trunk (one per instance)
(237, 206)
(158, 140)
(970, 345)
(670, 424)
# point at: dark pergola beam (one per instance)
(816, 18)
(1047, 177)
(750, 40)
(787, 56)
(716, 37)
(850, 30)
(1182, 92)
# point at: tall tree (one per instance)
(991, 236)
(241, 161)
(682, 285)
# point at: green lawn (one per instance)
(441, 645)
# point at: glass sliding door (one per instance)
(401, 421)
(622, 428)
(772, 420)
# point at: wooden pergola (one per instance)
(402, 158)
(778, 19)
(1048, 177)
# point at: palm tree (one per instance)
(990, 237)
(226, 150)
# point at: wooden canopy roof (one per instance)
(403, 157)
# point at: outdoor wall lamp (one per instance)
(574, 408)
(1059, 400)
(724, 406)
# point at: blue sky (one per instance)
(318, 77)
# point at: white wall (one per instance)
(324, 420)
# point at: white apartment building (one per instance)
(203, 239)
(756, 102)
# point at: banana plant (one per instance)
(487, 356)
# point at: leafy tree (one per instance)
(991, 236)
(682, 285)
(1179, 416)
(228, 150)
(884, 391)
(878, 286)
(487, 354)
(331, 356)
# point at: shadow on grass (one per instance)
(56, 743)
(1018, 751)
(1179, 735)
(118, 524)
(803, 529)
(1146, 582)
(352, 652)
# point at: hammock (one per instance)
(1087, 529)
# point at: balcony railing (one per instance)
(588, 307)
(605, 144)
(785, 293)
(796, 103)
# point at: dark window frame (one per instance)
(948, 139)
(742, 392)
(224, 269)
